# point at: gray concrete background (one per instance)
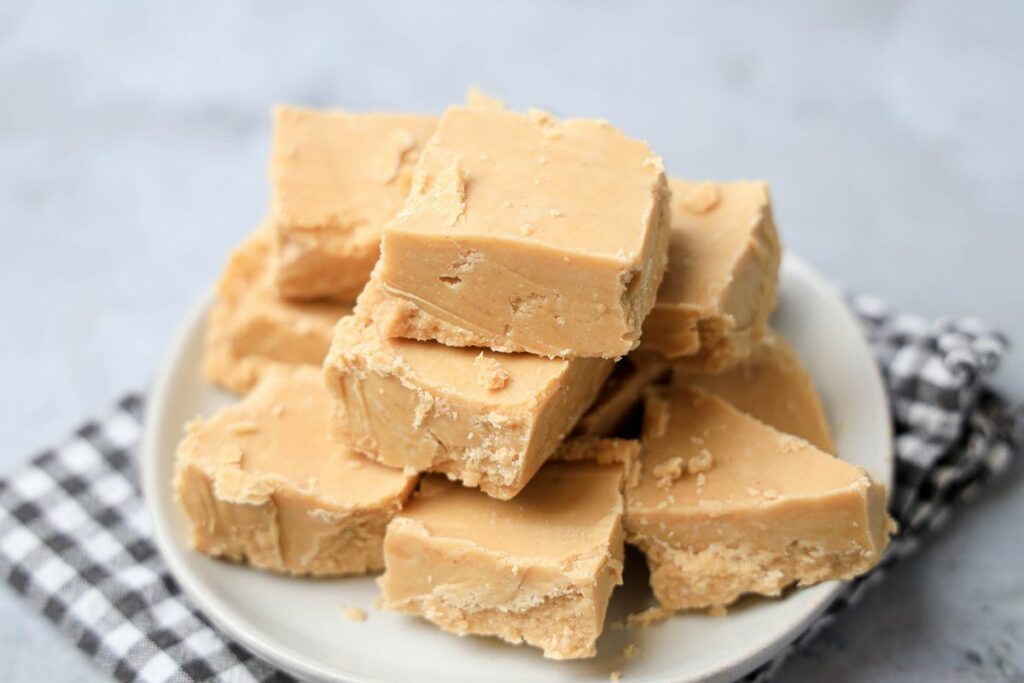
(133, 139)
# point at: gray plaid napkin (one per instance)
(75, 541)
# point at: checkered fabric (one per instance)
(75, 541)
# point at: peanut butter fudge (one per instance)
(622, 393)
(251, 327)
(486, 418)
(478, 99)
(726, 505)
(336, 178)
(724, 253)
(772, 385)
(263, 481)
(526, 233)
(538, 569)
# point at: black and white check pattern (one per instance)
(75, 541)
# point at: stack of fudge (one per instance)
(483, 351)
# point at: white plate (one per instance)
(300, 625)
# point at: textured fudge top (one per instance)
(338, 168)
(771, 385)
(576, 185)
(701, 454)
(567, 509)
(481, 375)
(712, 225)
(280, 434)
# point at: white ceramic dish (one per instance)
(300, 625)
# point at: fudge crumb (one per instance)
(539, 117)
(478, 99)
(700, 480)
(245, 427)
(556, 213)
(444, 191)
(702, 198)
(653, 162)
(651, 615)
(648, 616)
(355, 614)
(668, 471)
(701, 462)
(423, 407)
(615, 676)
(277, 410)
(790, 443)
(717, 611)
(490, 374)
(656, 417)
(542, 160)
(631, 651)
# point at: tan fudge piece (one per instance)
(251, 327)
(486, 418)
(336, 178)
(724, 253)
(622, 393)
(772, 385)
(263, 482)
(526, 233)
(478, 99)
(538, 569)
(726, 505)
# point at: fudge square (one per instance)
(336, 178)
(771, 385)
(264, 482)
(726, 505)
(539, 568)
(485, 418)
(251, 327)
(526, 233)
(723, 265)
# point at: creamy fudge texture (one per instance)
(772, 385)
(727, 505)
(336, 178)
(486, 418)
(538, 569)
(622, 393)
(251, 327)
(263, 481)
(523, 232)
(719, 290)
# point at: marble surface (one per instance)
(133, 139)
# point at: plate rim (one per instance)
(295, 663)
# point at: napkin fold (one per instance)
(76, 543)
